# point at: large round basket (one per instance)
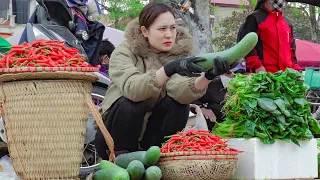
(45, 116)
(200, 165)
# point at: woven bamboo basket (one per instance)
(45, 116)
(200, 165)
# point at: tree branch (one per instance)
(184, 18)
(105, 7)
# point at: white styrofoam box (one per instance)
(280, 160)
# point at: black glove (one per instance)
(220, 66)
(184, 66)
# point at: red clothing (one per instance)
(275, 49)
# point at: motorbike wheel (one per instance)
(98, 91)
(91, 160)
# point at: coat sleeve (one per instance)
(252, 59)
(133, 84)
(293, 51)
(182, 89)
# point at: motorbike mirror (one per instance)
(72, 26)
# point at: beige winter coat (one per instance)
(133, 67)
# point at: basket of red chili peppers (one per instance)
(45, 99)
(44, 59)
(197, 154)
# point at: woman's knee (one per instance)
(127, 106)
(175, 105)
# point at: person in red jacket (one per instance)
(275, 49)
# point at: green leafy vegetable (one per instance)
(268, 106)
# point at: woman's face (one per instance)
(161, 33)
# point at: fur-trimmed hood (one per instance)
(140, 46)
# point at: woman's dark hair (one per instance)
(151, 11)
(259, 4)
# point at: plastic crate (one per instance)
(312, 78)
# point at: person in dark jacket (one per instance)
(212, 102)
(275, 49)
(104, 55)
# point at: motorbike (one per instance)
(63, 20)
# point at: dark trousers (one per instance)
(125, 123)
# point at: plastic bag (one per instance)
(6, 170)
(200, 123)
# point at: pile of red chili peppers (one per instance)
(43, 53)
(196, 140)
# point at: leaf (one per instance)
(265, 130)
(267, 95)
(281, 135)
(249, 110)
(267, 104)
(250, 127)
(293, 73)
(290, 120)
(298, 119)
(281, 119)
(280, 103)
(281, 127)
(308, 134)
(282, 106)
(253, 103)
(268, 121)
(276, 112)
(261, 135)
(268, 79)
(292, 131)
(269, 141)
(301, 101)
(273, 128)
(277, 86)
(314, 126)
(286, 140)
(288, 99)
(294, 140)
(288, 89)
(256, 87)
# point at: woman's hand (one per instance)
(208, 114)
(220, 66)
(184, 66)
(260, 69)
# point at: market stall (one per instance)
(45, 101)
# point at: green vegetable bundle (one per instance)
(268, 106)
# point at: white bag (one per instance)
(200, 123)
(7, 172)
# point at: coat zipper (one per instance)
(278, 39)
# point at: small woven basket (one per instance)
(45, 117)
(200, 165)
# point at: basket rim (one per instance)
(58, 75)
(203, 153)
(48, 69)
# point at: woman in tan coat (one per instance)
(147, 84)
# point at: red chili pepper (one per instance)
(195, 140)
(45, 53)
